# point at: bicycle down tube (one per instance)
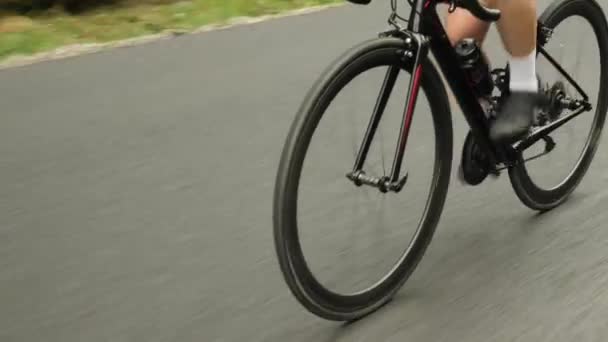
(445, 55)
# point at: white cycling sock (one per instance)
(523, 73)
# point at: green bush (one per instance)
(37, 5)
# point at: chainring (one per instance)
(475, 166)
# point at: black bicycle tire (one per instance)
(312, 295)
(530, 194)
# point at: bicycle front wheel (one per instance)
(316, 296)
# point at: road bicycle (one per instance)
(407, 50)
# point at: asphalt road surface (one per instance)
(136, 206)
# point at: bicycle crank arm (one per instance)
(381, 183)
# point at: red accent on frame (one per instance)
(409, 114)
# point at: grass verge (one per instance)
(38, 32)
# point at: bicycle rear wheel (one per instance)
(306, 287)
(529, 188)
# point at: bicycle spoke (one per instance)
(562, 51)
(564, 73)
(578, 58)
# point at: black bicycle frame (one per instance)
(426, 32)
(445, 55)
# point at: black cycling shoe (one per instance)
(515, 117)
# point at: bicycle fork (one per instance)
(414, 42)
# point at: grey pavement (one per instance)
(136, 198)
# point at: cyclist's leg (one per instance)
(517, 28)
(461, 24)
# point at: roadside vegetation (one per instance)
(28, 27)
